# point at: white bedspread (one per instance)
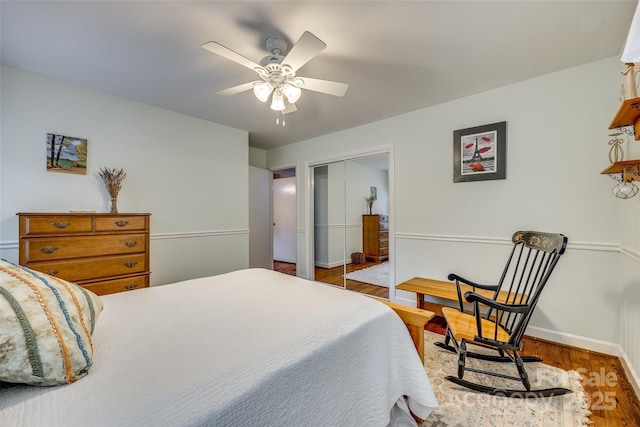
(252, 347)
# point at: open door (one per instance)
(284, 199)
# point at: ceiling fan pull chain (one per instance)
(278, 114)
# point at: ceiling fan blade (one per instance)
(225, 52)
(324, 86)
(305, 48)
(290, 108)
(236, 89)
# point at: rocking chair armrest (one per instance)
(513, 308)
(461, 279)
(474, 285)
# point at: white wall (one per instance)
(257, 158)
(260, 224)
(190, 174)
(556, 147)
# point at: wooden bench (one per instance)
(440, 289)
(415, 319)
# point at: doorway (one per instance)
(284, 197)
(347, 195)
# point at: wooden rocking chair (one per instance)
(500, 323)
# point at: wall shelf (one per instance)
(630, 169)
(628, 114)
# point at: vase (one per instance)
(114, 205)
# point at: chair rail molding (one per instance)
(8, 245)
(13, 244)
(585, 246)
(190, 234)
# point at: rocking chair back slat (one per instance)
(547, 248)
(528, 267)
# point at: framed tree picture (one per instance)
(480, 153)
(66, 154)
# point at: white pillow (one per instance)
(46, 325)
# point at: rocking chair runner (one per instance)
(500, 323)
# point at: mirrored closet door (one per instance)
(351, 237)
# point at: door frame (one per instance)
(309, 207)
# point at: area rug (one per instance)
(376, 275)
(461, 407)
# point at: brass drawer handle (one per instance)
(52, 272)
(130, 244)
(61, 224)
(121, 223)
(48, 249)
(130, 264)
(131, 286)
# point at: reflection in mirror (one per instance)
(351, 203)
(367, 208)
(329, 225)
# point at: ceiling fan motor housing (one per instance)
(276, 45)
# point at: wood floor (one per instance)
(334, 276)
(613, 402)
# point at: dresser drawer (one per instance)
(384, 234)
(93, 268)
(105, 287)
(383, 218)
(383, 252)
(121, 223)
(50, 248)
(384, 226)
(33, 225)
(384, 243)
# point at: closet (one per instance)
(341, 192)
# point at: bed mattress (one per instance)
(251, 347)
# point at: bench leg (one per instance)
(420, 301)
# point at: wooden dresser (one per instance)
(375, 237)
(105, 253)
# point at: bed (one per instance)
(251, 347)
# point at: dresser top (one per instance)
(79, 213)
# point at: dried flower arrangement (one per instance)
(113, 181)
(370, 201)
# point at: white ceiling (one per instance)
(396, 56)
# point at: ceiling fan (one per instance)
(277, 73)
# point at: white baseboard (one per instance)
(330, 264)
(406, 301)
(632, 375)
(574, 340)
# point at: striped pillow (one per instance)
(45, 327)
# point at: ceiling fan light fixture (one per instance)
(262, 90)
(291, 92)
(277, 101)
(277, 72)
